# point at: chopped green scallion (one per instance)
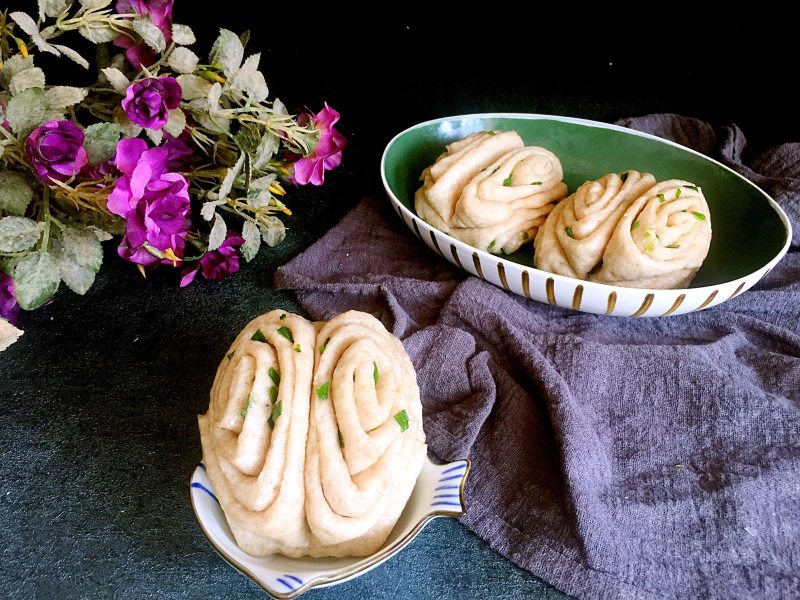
(661, 198)
(678, 193)
(230, 354)
(507, 180)
(699, 216)
(246, 407)
(323, 345)
(286, 333)
(375, 374)
(674, 246)
(568, 231)
(635, 225)
(491, 245)
(322, 391)
(402, 420)
(276, 413)
(258, 336)
(273, 394)
(273, 374)
(297, 348)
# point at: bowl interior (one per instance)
(741, 214)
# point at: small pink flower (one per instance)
(154, 203)
(160, 12)
(9, 309)
(148, 102)
(55, 150)
(217, 264)
(327, 153)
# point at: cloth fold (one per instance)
(637, 458)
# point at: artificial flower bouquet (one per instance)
(186, 159)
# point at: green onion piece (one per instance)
(273, 394)
(698, 216)
(258, 336)
(246, 406)
(624, 176)
(323, 346)
(568, 231)
(341, 439)
(286, 333)
(692, 187)
(283, 316)
(661, 198)
(536, 183)
(635, 225)
(678, 193)
(230, 354)
(375, 374)
(322, 391)
(491, 245)
(674, 246)
(490, 132)
(402, 420)
(276, 412)
(273, 374)
(507, 180)
(297, 348)
(649, 248)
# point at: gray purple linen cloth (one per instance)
(631, 458)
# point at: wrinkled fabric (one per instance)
(636, 458)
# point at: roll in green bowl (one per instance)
(751, 232)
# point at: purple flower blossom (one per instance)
(179, 154)
(160, 12)
(217, 264)
(55, 150)
(327, 153)
(154, 202)
(9, 309)
(148, 102)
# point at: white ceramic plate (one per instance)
(751, 232)
(439, 493)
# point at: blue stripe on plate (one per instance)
(297, 579)
(445, 503)
(451, 469)
(447, 487)
(200, 486)
(446, 496)
(443, 479)
(202, 466)
(285, 583)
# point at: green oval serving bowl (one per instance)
(751, 232)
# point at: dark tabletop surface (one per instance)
(98, 401)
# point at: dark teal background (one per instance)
(98, 401)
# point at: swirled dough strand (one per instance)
(575, 235)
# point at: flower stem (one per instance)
(46, 213)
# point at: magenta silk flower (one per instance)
(55, 150)
(9, 309)
(327, 153)
(160, 12)
(148, 102)
(154, 202)
(217, 264)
